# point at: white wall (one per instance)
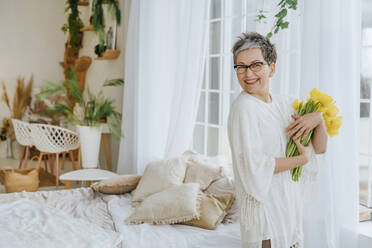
(31, 42)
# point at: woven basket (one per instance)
(18, 180)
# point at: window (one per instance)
(365, 180)
(227, 21)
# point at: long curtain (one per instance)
(163, 74)
(321, 49)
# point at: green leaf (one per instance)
(114, 82)
(276, 30)
(269, 35)
(284, 25)
(48, 90)
(282, 13)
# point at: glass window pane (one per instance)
(236, 7)
(364, 134)
(363, 179)
(364, 110)
(213, 108)
(198, 139)
(215, 9)
(201, 110)
(366, 65)
(232, 30)
(365, 87)
(214, 73)
(215, 38)
(212, 149)
(367, 37)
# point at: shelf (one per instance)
(109, 55)
(87, 28)
(83, 4)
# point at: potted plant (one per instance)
(98, 21)
(86, 114)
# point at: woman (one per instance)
(259, 128)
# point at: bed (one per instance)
(84, 218)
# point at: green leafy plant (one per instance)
(280, 22)
(73, 25)
(87, 111)
(98, 21)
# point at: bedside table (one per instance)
(88, 175)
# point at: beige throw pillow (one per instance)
(158, 176)
(17, 181)
(117, 184)
(201, 169)
(225, 185)
(212, 211)
(176, 204)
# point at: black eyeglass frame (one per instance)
(246, 67)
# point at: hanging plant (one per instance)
(280, 22)
(73, 25)
(98, 21)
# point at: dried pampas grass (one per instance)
(21, 99)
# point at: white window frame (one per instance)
(225, 91)
(368, 155)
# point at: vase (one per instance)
(90, 141)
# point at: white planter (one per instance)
(90, 140)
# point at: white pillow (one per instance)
(177, 204)
(158, 176)
(222, 186)
(202, 169)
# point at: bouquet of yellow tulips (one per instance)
(316, 101)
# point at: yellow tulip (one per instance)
(295, 104)
(333, 122)
(332, 110)
(333, 133)
(318, 96)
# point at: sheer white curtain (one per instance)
(321, 49)
(163, 74)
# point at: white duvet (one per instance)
(27, 223)
(82, 218)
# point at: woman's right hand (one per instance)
(304, 150)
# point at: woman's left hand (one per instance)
(304, 124)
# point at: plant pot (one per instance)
(90, 141)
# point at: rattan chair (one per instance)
(54, 140)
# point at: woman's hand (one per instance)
(304, 124)
(304, 150)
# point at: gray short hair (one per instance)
(255, 40)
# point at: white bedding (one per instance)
(88, 219)
(27, 223)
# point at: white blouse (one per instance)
(271, 204)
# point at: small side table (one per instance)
(86, 175)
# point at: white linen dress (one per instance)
(271, 204)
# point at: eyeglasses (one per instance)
(255, 67)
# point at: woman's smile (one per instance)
(251, 81)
